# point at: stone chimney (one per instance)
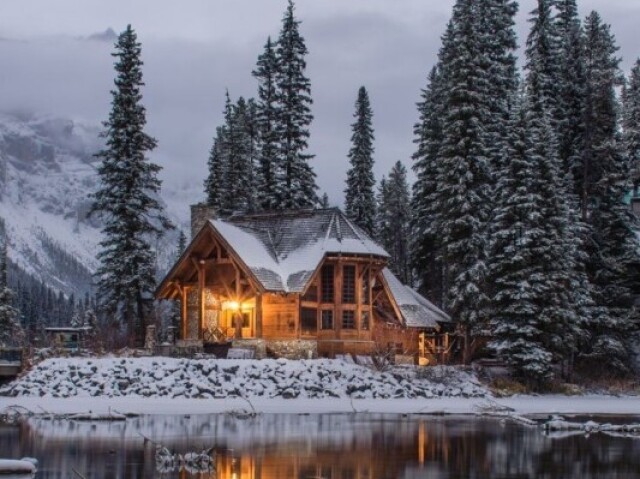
(200, 214)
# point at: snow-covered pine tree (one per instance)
(127, 199)
(463, 196)
(238, 188)
(613, 262)
(296, 179)
(360, 202)
(267, 117)
(215, 188)
(519, 252)
(182, 244)
(569, 304)
(631, 124)
(571, 89)
(324, 201)
(602, 77)
(543, 54)
(382, 232)
(214, 183)
(252, 138)
(11, 331)
(497, 35)
(394, 221)
(425, 247)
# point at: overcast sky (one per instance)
(194, 49)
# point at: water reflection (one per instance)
(342, 446)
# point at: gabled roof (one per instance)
(417, 311)
(284, 249)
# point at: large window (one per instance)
(327, 283)
(327, 319)
(349, 284)
(348, 319)
(309, 321)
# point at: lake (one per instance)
(332, 446)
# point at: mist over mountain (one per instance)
(47, 172)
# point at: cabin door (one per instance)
(247, 326)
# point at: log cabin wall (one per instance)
(280, 316)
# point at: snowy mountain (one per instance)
(47, 171)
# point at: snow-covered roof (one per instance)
(283, 250)
(417, 311)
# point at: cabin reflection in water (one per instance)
(338, 446)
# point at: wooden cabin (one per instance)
(298, 284)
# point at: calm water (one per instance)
(343, 446)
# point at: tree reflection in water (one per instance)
(340, 446)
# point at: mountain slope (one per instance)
(47, 171)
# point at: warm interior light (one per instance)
(233, 305)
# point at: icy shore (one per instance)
(181, 386)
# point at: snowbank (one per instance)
(225, 378)
(15, 466)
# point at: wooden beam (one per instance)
(184, 311)
(201, 286)
(258, 315)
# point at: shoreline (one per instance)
(518, 405)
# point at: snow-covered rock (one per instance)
(222, 378)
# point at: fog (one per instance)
(194, 50)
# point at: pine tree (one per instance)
(394, 212)
(519, 253)
(631, 124)
(571, 89)
(214, 185)
(613, 253)
(359, 196)
(464, 179)
(296, 179)
(127, 199)
(182, 244)
(542, 53)
(425, 246)
(238, 188)
(324, 201)
(11, 332)
(266, 118)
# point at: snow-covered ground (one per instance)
(181, 386)
(159, 377)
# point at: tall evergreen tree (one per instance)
(267, 118)
(127, 199)
(214, 185)
(542, 52)
(233, 180)
(464, 179)
(359, 195)
(571, 89)
(613, 262)
(11, 332)
(425, 235)
(296, 179)
(631, 124)
(239, 192)
(394, 221)
(519, 255)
